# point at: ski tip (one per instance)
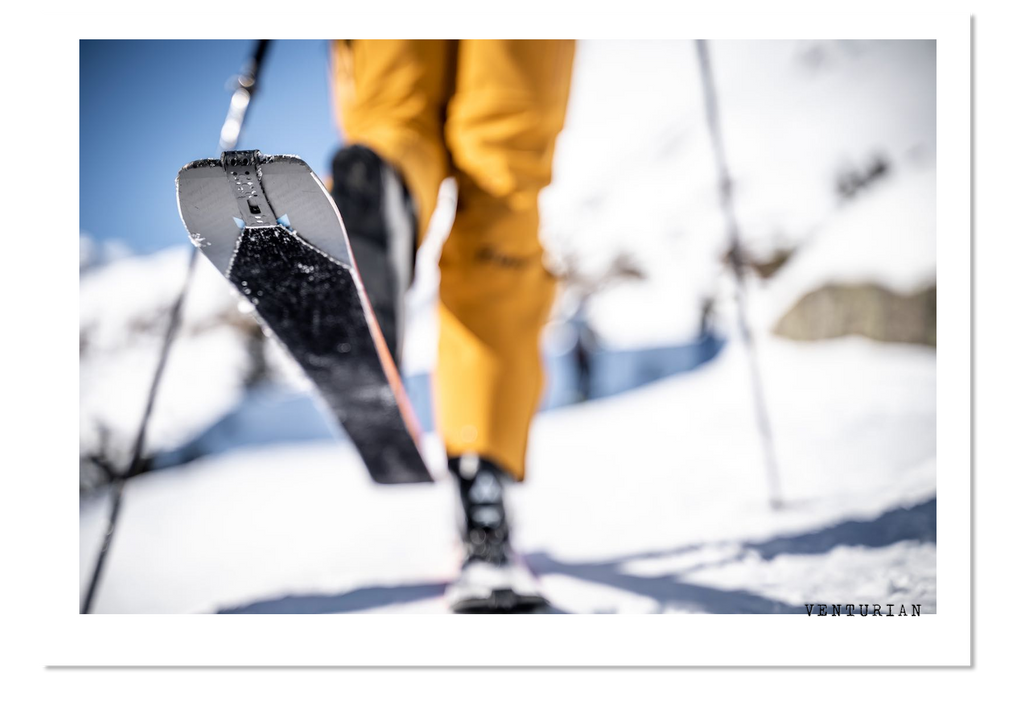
(226, 158)
(199, 164)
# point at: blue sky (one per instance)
(149, 107)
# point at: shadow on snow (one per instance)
(671, 591)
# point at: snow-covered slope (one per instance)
(123, 312)
(634, 171)
(124, 309)
(651, 501)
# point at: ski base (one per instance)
(270, 227)
(311, 303)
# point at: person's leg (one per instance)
(391, 96)
(508, 107)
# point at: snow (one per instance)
(654, 500)
(634, 171)
(123, 313)
(886, 237)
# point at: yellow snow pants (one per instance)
(486, 112)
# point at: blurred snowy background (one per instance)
(646, 488)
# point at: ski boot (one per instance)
(493, 578)
(380, 219)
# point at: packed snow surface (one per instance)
(647, 502)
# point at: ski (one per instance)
(271, 228)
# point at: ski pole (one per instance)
(733, 228)
(229, 134)
(135, 465)
(242, 96)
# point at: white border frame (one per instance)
(68, 637)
